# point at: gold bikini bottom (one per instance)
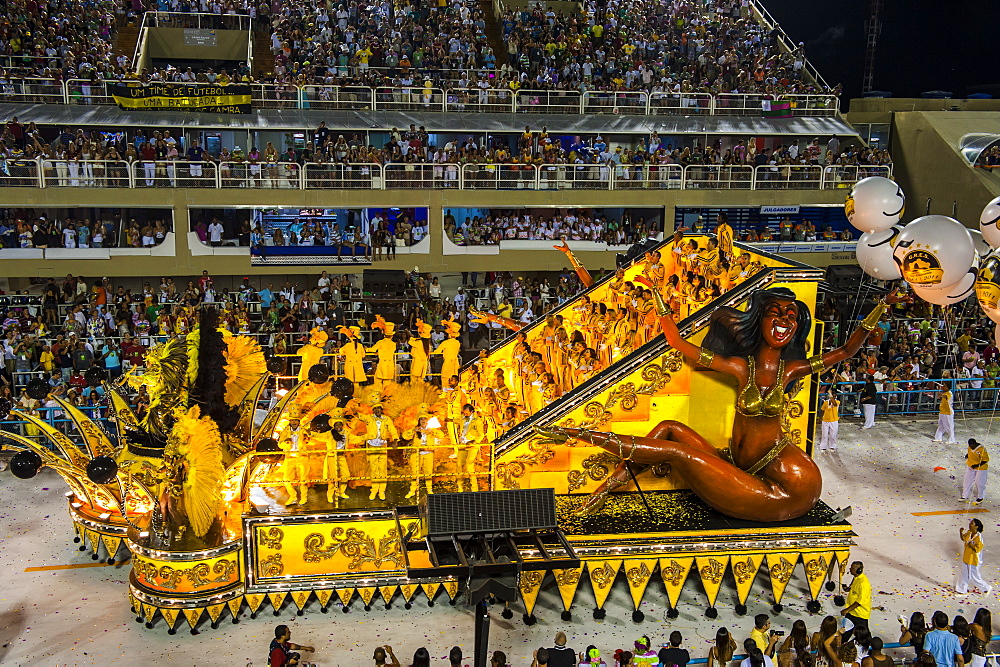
(772, 454)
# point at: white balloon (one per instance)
(934, 251)
(874, 253)
(982, 247)
(874, 204)
(945, 296)
(988, 222)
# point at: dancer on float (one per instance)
(759, 477)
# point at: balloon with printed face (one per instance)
(988, 286)
(874, 253)
(874, 204)
(945, 296)
(988, 223)
(934, 251)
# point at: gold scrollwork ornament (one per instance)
(782, 570)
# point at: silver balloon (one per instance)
(874, 253)
(988, 223)
(874, 204)
(934, 251)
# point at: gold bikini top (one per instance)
(750, 403)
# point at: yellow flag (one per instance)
(674, 572)
(602, 576)
(817, 566)
(568, 581)
(745, 568)
(780, 567)
(711, 570)
(529, 583)
(637, 574)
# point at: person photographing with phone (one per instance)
(763, 636)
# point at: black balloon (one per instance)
(276, 365)
(319, 373)
(102, 470)
(320, 423)
(26, 464)
(342, 388)
(267, 445)
(38, 389)
(95, 376)
(6, 405)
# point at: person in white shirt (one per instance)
(215, 231)
(323, 284)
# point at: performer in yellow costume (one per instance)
(471, 435)
(422, 438)
(334, 442)
(454, 398)
(381, 432)
(450, 349)
(353, 353)
(296, 463)
(724, 234)
(419, 350)
(311, 353)
(386, 351)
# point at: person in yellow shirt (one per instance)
(353, 354)
(381, 432)
(762, 635)
(46, 359)
(422, 439)
(471, 433)
(977, 461)
(450, 349)
(420, 348)
(946, 418)
(831, 422)
(385, 349)
(972, 540)
(859, 598)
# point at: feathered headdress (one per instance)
(350, 332)
(453, 328)
(387, 328)
(423, 329)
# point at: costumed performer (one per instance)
(353, 353)
(471, 436)
(334, 442)
(421, 438)
(450, 349)
(759, 477)
(420, 349)
(296, 463)
(356, 429)
(385, 349)
(454, 398)
(381, 431)
(312, 352)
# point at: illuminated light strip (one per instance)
(74, 566)
(972, 511)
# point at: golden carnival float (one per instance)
(654, 431)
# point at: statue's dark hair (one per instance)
(735, 333)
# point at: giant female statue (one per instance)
(759, 477)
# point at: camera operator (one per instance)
(281, 652)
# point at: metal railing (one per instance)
(718, 177)
(923, 398)
(197, 21)
(47, 172)
(448, 99)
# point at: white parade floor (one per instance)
(80, 616)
